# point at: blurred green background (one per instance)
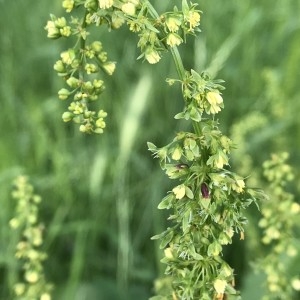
(100, 193)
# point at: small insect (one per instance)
(181, 166)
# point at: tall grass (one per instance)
(100, 193)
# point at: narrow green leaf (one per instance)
(189, 193)
(166, 202)
(166, 239)
(151, 27)
(151, 147)
(180, 115)
(193, 252)
(186, 220)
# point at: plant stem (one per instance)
(178, 62)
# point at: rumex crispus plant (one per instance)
(28, 249)
(208, 200)
(280, 219)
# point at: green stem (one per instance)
(177, 60)
(197, 128)
(175, 53)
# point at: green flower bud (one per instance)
(83, 128)
(226, 270)
(176, 155)
(220, 286)
(77, 119)
(93, 97)
(89, 52)
(59, 66)
(109, 67)
(88, 86)
(77, 107)
(216, 102)
(90, 68)
(193, 18)
(174, 39)
(179, 191)
(67, 116)
(128, 8)
(31, 276)
(100, 123)
(65, 31)
(296, 284)
(152, 56)
(14, 223)
(80, 95)
(214, 249)
(102, 56)
(19, 289)
(75, 64)
(98, 130)
(45, 296)
(134, 26)
(102, 113)
(53, 31)
(63, 94)
(224, 239)
(68, 5)
(97, 83)
(68, 56)
(91, 4)
(104, 4)
(72, 82)
(116, 21)
(96, 46)
(173, 24)
(60, 22)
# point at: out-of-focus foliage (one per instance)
(100, 193)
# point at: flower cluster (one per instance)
(81, 66)
(207, 209)
(280, 218)
(157, 33)
(201, 94)
(57, 27)
(28, 248)
(82, 86)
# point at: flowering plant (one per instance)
(208, 199)
(34, 285)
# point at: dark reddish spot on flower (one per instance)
(204, 190)
(181, 166)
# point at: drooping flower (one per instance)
(220, 286)
(105, 3)
(179, 191)
(68, 5)
(216, 102)
(238, 185)
(53, 31)
(128, 8)
(109, 67)
(194, 19)
(152, 56)
(174, 39)
(173, 24)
